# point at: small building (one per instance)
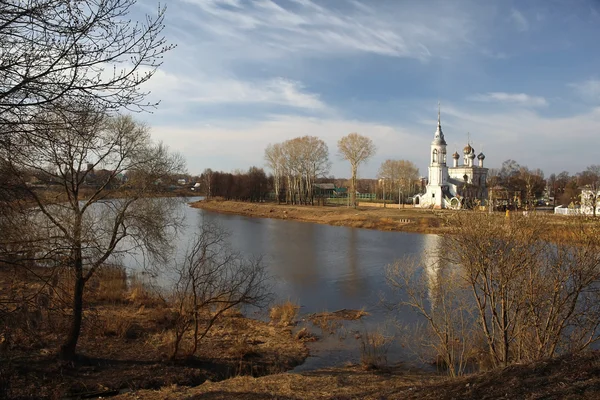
(324, 190)
(590, 199)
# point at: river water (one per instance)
(322, 268)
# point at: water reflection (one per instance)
(322, 267)
(431, 263)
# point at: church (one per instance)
(460, 186)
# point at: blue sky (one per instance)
(522, 77)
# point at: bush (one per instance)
(284, 314)
(374, 347)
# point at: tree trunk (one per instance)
(353, 186)
(67, 351)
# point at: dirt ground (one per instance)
(568, 377)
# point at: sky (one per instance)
(521, 79)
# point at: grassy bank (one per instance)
(126, 341)
(386, 219)
(568, 377)
(559, 228)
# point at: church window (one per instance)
(435, 152)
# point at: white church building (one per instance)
(459, 186)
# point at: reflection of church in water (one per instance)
(459, 186)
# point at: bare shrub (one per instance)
(374, 348)
(535, 298)
(284, 314)
(439, 294)
(504, 291)
(212, 280)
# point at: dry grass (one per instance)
(374, 347)
(141, 293)
(569, 377)
(392, 219)
(284, 314)
(108, 285)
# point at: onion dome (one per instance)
(455, 155)
(468, 149)
(471, 155)
(481, 156)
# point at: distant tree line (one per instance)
(530, 186)
(253, 185)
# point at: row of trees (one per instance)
(530, 185)
(296, 165)
(400, 177)
(253, 185)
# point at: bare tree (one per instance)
(438, 293)
(504, 290)
(83, 219)
(534, 297)
(59, 50)
(211, 280)
(356, 149)
(302, 160)
(274, 157)
(402, 175)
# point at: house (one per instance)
(324, 190)
(590, 199)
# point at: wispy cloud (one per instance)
(521, 99)
(519, 20)
(223, 90)
(589, 89)
(524, 135)
(306, 26)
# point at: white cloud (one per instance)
(241, 144)
(173, 89)
(589, 89)
(524, 135)
(521, 99)
(519, 20)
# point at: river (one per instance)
(321, 268)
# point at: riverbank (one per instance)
(385, 219)
(571, 376)
(126, 341)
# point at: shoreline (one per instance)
(411, 220)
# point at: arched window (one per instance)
(435, 153)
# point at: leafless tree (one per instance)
(438, 293)
(507, 289)
(535, 294)
(83, 220)
(62, 50)
(302, 160)
(402, 175)
(211, 280)
(275, 160)
(356, 149)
